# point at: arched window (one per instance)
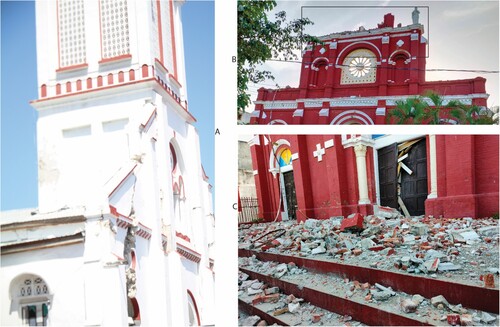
(31, 298)
(358, 67)
(319, 71)
(285, 157)
(400, 72)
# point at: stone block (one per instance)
(435, 301)
(408, 306)
(419, 229)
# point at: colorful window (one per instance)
(285, 157)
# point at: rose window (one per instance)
(360, 66)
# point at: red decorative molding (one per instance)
(159, 63)
(71, 68)
(115, 59)
(184, 237)
(189, 254)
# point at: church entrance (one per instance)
(290, 199)
(402, 169)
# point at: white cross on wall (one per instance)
(319, 152)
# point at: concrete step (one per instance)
(367, 313)
(303, 314)
(475, 297)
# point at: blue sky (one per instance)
(19, 86)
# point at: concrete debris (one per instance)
(293, 307)
(318, 250)
(257, 285)
(419, 229)
(448, 266)
(252, 291)
(385, 212)
(385, 289)
(488, 231)
(458, 308)
(466, 320)
(432, 265)
(437, 300)
(460, 249)
(408, 306)
(250, 321)
(242, 276)
(271, 290)
(262, 323)
(381, 295)
(487, 318)
(417, 298)
(464, 235)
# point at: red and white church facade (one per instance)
(124, 230)
(321, 176)
(355, 77)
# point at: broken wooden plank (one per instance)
(403, 207)
(405, 167)
(403, 157)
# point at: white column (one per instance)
(360, 151)
(433, 166)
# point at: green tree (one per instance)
(408, 111)
(260, 39)
(418, 110)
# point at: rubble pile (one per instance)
(436, 310)
(463, 249)
(288, 308)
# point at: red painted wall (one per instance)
(321, 70)
(323, 188)
(467, 168)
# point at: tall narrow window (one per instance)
(114, 28)
(71, 22)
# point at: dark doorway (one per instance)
(291, 198)
(414, 186)
(388, 175)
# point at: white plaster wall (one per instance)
(62, 269)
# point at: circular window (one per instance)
(360, 66)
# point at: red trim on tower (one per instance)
(172, 32)
(160, 34)
(165, 70)
(195, 307)
(182, 236)
(114, 59)
(121, 182)
(71, 68)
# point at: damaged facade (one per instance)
(331, 251)
(123, 234)
(322, 176)
(356, 77)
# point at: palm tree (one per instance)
(432, 109)
(408, 111)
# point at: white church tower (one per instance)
(124, 230)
